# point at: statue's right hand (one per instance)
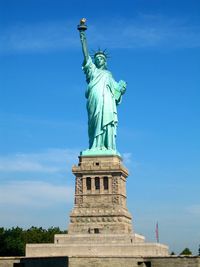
(84, 44)
(82, 36)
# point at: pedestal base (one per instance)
(97, 245)
(100, 223)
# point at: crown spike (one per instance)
(100, 52)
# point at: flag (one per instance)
(157, 233)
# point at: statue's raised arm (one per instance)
(82, 28)
(103, 95)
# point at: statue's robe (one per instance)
(103, 94)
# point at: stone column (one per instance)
(101, 185)
(93, 185)
(84, 185)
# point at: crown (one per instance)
(100, 52)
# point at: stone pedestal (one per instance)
(100, 224)
(100, 197)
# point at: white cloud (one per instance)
(194, 209)
(35, 182)
(130, 161)
(139, 32)
(37, 37)
(23, 164)
(35, 194)
(49, 161)
(150, 31)
(127, 157)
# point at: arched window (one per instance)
(88, 183)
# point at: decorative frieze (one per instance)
(108, 219)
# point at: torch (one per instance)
(82, 26)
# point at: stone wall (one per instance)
(9, 261)
(103, 262)
(175, 261)
(172, 261)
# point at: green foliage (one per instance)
(13, 241)
(186, 251)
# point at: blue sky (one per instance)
(154, 46)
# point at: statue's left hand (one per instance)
(122, 86)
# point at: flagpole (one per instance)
(157, 233)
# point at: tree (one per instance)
(13, 244)
(14, 240)
(2, 241)
(186, 251)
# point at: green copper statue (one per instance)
(103, 95)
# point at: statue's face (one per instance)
(100, 62)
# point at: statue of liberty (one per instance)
(103, 95)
